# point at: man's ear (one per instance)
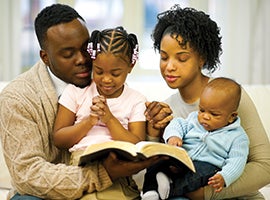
(233, 117)
(44, 57)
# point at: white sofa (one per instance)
(259, 93)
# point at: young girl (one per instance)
(107, 109)
(189, 42)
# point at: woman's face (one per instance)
(179, 65)
(109, 74)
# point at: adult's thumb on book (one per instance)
(113, 156)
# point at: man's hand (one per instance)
(118, 168)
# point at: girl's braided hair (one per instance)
(196, 28)
(116, 41)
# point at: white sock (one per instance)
(163, 185)
(150, 195)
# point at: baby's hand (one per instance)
(176, 141)
(217, 182)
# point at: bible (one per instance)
(135, 152)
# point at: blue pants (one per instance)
(193, 181)
(24, 197)
(183, 182)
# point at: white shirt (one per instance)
(57, 82)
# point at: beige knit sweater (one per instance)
(27, 111)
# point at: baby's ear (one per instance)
(233, 117)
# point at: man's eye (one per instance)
(68, 54)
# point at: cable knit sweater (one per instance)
(28, 108)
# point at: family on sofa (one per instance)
(188, 42)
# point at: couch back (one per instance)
(4, 175)
(260, 94)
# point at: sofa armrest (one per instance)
(260, 95)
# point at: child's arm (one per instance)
(66, 133)
(135, 132)
(217, 182)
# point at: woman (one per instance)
(189, 43)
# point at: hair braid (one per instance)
(116, 41)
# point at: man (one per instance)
(28, 107)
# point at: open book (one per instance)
(135, 152)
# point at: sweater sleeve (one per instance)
(236, 161)
(36, 166)
(257, 170)
(177, 127)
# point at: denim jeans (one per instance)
(24, 197)
(183, 182)
(192, 181)
(150, 181)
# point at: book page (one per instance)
(155, 148)
(123, 150)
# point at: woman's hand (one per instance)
(158, 114)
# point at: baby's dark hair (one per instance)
(196, 28)
(232, 88)
(116, 41)
(51, 16)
